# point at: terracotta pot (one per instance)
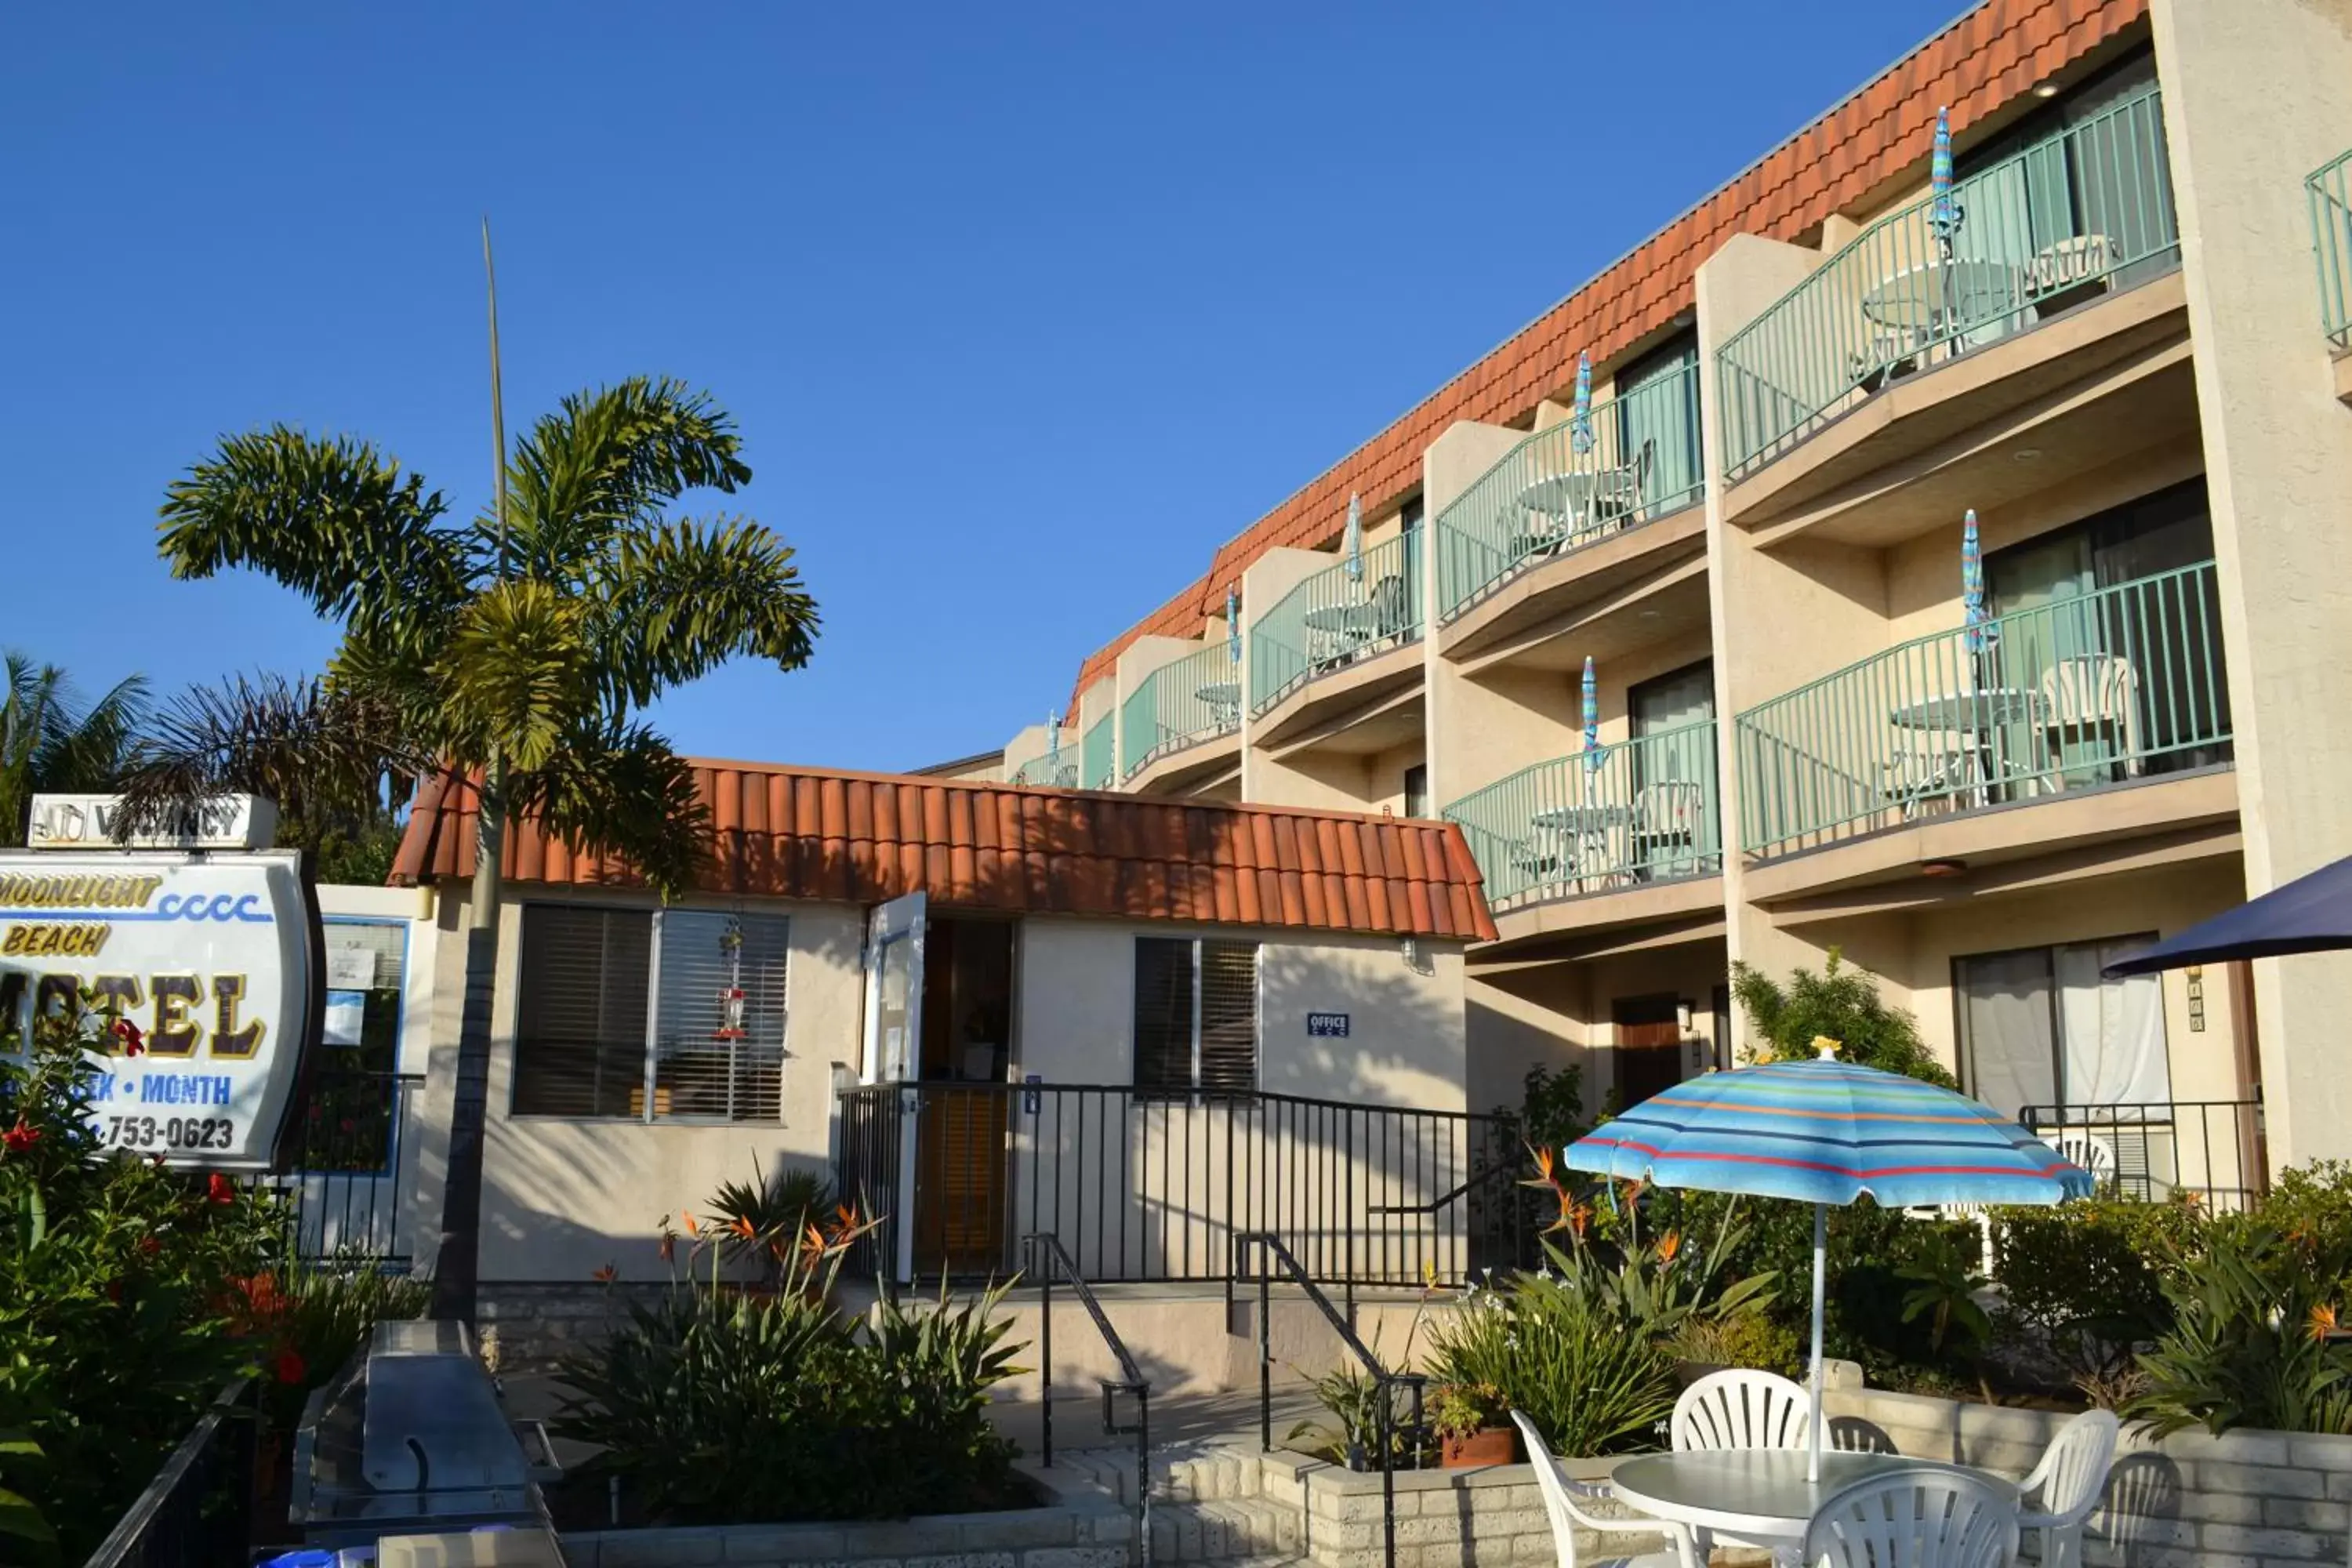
(1493, 1445)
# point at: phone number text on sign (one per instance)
(210, 958)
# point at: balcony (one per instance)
(1614, 818)
(1180, 705)
(1527, 526)
(2121, 686)
(2330, 190)
(1097, 763)
(2065, 227)
(1335, 619)
(1056, 770)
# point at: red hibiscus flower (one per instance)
(288, 1367)
(150, 1246)
(20, 1136)
(127, 1035)
(220, 1189)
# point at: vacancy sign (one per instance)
(209, 955)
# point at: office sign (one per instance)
(212, 956)
(1327, 1026)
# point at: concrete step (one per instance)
(1179, 1472)
(1224, 1530)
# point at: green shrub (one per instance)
(724, 1405)
(2253, 1342)
(1841, 1004)
(2086, 1280)
(1563, 1357)
(1754, 1339)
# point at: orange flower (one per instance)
(2323, 1324)
(1631, 1192)
(605, 1275)
(1543, 1162)
(691, 1228)
(1668, 1244)
(744, 1228)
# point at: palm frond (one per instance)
(609, 459)
(316, 749)
(331, 518)
(520, 668)
(87, 748)
(679, 599)
(619, 791)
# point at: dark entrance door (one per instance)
(961, 1144)
(1649, 1046)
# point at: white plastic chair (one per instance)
(1562, 1504)
(2093, 698)
(1924, 1518)
(2067, 1485)
(1742, 1409)
(2092, 1153)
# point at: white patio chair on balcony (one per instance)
(1668, 819)
(1617, 492)
(2093, 698)
(1931, 776)
(1572, 1505)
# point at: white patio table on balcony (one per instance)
(1757, 1496)
(1922, 299)
(1345, 625)
(1558, 506)
(1979, 763)
(1223, 700)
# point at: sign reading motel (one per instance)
(210, 953)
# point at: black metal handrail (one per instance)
(170, 1524)
(1057, 1260)
(1271, 1251)
(1143, 1185)
(2147, 1151)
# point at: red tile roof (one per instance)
(1985, 59)
(812, 833)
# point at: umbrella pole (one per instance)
(1821, 1269)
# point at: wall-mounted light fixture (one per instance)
(1683, 1015)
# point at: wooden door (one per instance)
(1649, 1046)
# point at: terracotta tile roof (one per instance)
(811, 833)
(1985, 59)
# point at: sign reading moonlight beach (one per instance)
(213, 954)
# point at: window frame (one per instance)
(1964, 1043)
(1195, 947)
(650, 1029)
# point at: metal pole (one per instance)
(1388, 1470)
(1143, 1474)
(1821, 1269)
(1265, 1359)
(1045, 1345)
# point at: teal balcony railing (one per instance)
(1640, 811)
(1057, 769)
(1198, 698)
(2330, 189)
(1545, 497)
(2038, 232)
(2083, 693)
(1097, 762)
(1334, 618)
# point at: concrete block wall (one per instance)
(1077, 1533)
(2242, 1500)
(1485, 1518)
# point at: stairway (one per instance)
(1208, 1502)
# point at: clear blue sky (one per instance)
(1021, 309)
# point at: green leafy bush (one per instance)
(727, 1406)
(1753, 1339)
(116, 1278)
(1841, 1004)
(1564, 1357)
(2085, 1280)
(2253, 1342)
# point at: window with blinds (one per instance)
(719, 1025)
(1195, 1016)
(693, 1001)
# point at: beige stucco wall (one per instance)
(2258, 93)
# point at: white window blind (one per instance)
(719, 1025)
(692, 1000)
(1195, 1016)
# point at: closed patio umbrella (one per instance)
(1822, 1133)
(1234, 625)
(1972, 587)
(1943, 215)
(2310, 914)
(1352, 544)
(1580, 422)
(1592, 701)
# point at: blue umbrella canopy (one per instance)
(1579, 425)
(1942, 216)
(2310, 914)
(1352, 546)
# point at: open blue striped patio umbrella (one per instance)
(1981, 636)
(1580, 422)
(1942, 216)
(1822, 1133)
(1591, 696)
(1352, 544)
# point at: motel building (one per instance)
(2111, 344)
(1660, 641)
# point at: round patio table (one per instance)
(1987, 708)
(1756, 1496)
(1584, 819)
(1938, 295)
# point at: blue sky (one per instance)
(1022, 310)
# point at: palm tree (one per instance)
(49, 740)
(516, 649)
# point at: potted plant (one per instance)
(1472, 1421)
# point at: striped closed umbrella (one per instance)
(1942, 216)
(1591, 699)
(1981, 635)
(1352, 546)
(1579, 424)
(1827, 1132)
(1234, 625)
